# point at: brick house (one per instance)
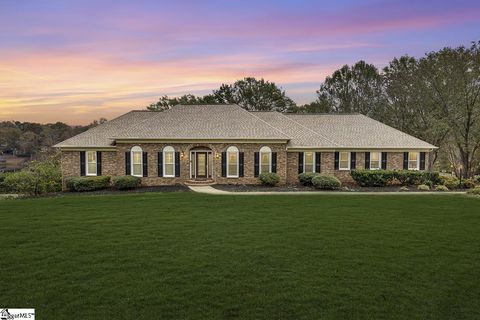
(226, 144)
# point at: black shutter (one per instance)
(318, 162)
(367, 160)
(160, 164)
(224, 164)
(422, 160)
(177, 164)
(384, 160)
(300, 162)
(256, 164)
(145, 163)
(99, 163)
(82, 163)
(337, 160)
(241, 160)
(274, 162)
(405, 161)
(353, 160)
(127, 164)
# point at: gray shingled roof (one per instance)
(358, 131)
(103, 135)
(227, 121)
(211, 122)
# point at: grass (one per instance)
(185, 255)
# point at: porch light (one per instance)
(182, 154)
(217, 155)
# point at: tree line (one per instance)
(435, 98)
(27, 139)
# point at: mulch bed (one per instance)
(174, 188)
(257, 188)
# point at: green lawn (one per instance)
(186, 255)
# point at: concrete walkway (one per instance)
(211, 190)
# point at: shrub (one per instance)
(306, 178)
(466, 184)
(372, 178)
(325, 182)
(87, 183)
(126, 182)
(3, 186)
(269, 178)
(451, 182)
(20, 182)
(474, 191)
(410, 178)
(423, 187)
(37, 178)
(441, 187)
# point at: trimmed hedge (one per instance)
(381, 178)
(126, 182)
(325, 182)
(372, 178)
(269, 179)
(306, 178)
(87, 183)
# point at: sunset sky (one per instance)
(76, 61)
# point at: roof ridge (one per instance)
(309, 129)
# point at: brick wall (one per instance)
(113, 163)
(394, 162)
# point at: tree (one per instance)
(29, 143)
(408, 108)
(9, 136)
(354, 89)
(165, 102)
(453, 84)
(254, 95)
(314, 107)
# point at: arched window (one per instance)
(168, 161)
(232, 162)
(137, 161)
(265, 159)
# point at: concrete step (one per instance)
(207, 182)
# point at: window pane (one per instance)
(265, 162)
(375, 160)
(137, 169)
(308, 165)
(232, 170)
(232, 164)
(92, 168)
(412, 164)
(344, 156)
(169, 157)
(308, 168)
(137, 158)
(344, 160)
(413, 156)
(91, 156)
(309, 157)
(169, 169)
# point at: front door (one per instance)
(201, 161)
